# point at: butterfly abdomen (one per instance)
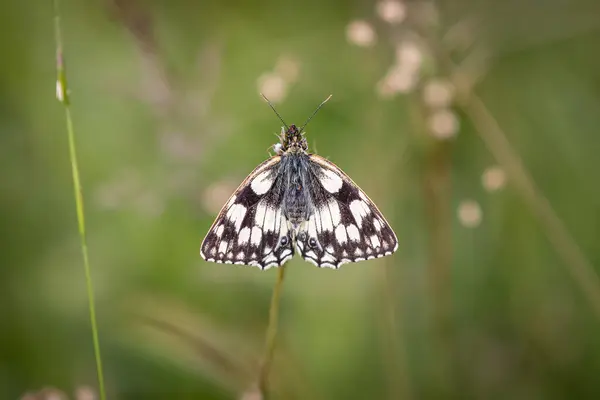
(296, 199)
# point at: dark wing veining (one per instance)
(346, 226)
(250, 227)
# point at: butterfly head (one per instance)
(292, 141)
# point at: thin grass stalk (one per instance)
(578, 266)
(582, 271)
(62, 92)
(265, 368)
(398, 379)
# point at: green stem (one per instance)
(263, 379)
(63, 97)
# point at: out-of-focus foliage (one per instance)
(485, 298)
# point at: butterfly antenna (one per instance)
(313, 114)
(273, 108)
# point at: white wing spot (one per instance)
(223, 247)
(377, 224)
(285, 253)
(259, 216)
(363, 196)
(329, 249)
(353, 233)
(230, 255)
(213, 251)
(328, 258)
(270, 258)
(262, 183)
(375, 241)
(326, 222)
(358, 252)
(331, 181)
(278, 220)
(253, 256)
(236, 215)
(311, 254)
(359, 210)
(336, 215)
(312, 226)
(244, 236)
(340, 234)
(312, 261)
(270, 219)
(219, 230)
(256, 236)
(368, 251)
(240, 255)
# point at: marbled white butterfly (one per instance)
(297, 201)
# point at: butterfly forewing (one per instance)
(345, 226)
(250, 227)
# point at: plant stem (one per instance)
(263, 379)
(63, 97)
(578, 266)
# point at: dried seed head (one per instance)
(361, 33)
(85, 393)
(469, 213)
(397, 80)
(493, 179)
(438, 93)
(288, 68)
(443, 124)
(409, 54)
(273, 86)
(391, 11)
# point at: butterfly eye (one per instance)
(312, 242)
(284, 240)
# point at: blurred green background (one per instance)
(472, 124)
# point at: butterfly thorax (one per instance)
(291, 141)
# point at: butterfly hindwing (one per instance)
(250, 227)
(345, 226)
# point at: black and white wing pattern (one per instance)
(345, 226)
(251, 228)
